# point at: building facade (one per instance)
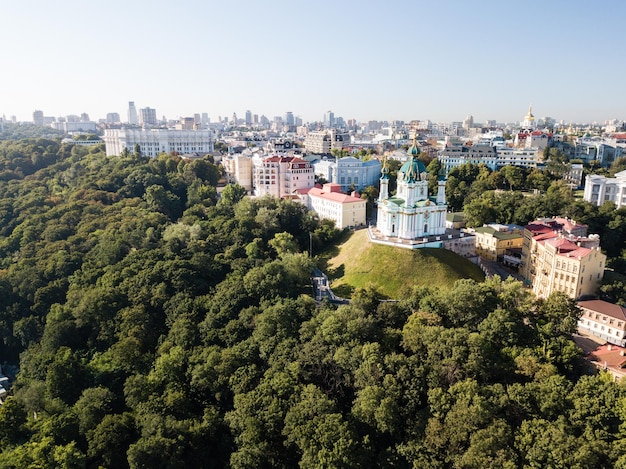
(281, 176)
(494, 157)
(133, 119)
(411, 213)
(238, 168)
(494, 241)
(600, 189)
(454, 156)
(557, 255)
(147, 117)
(321, 142)
(604, 320)
(156, 141)
(349, 172)
(330, 203)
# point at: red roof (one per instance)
(609, 355)
(334, 196)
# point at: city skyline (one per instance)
(363, 60)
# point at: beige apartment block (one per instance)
(558, 256)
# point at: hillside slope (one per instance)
(358, 263)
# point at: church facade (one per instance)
(411, 213)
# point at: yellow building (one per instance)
(558, 256)
(493, 241)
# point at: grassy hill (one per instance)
(356, 263)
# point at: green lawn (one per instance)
(357, 263)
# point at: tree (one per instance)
(513, 175)
(232, 194)
(284, 243)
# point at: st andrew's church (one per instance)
(411, 213)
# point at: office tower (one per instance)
(147, 116)
(289, 119)
(84, 117)
(113, 118)
(132, 113)
(38, 118)
(329, 119)
(248, 117)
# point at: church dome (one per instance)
(414, 151)
(412, 168)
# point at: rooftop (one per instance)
(604, 307)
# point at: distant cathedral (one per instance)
(411, 213)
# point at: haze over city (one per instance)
(364, 60)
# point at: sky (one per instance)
(366, 60)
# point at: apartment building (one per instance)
(238, 168)
(457, 155)
(557, 255)
(493, 157)
(321, 142)
(494, 241)
(281, 176)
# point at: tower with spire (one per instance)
(529, 119)
(411, 213)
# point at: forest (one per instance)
(147, 323)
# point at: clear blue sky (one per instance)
(439, 60)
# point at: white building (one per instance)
(330, 203)
(156, 141)
(604, 320)
(523, 157)
(411, 213)
(600, 189)
(454, 156)
(349, 172)
(281, 176)
(132, 113)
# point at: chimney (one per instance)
(609, 347)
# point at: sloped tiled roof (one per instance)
(604, 307)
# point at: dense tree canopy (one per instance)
(154, 326)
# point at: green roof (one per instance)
(455, 216)
(499, 234)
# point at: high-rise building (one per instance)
(84, 117)
(329, 119)
(248, 117)
(289, 119)
(147, 117)
(132, 113)
(38, 118)
(113, 118)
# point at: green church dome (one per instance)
(412, 169)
